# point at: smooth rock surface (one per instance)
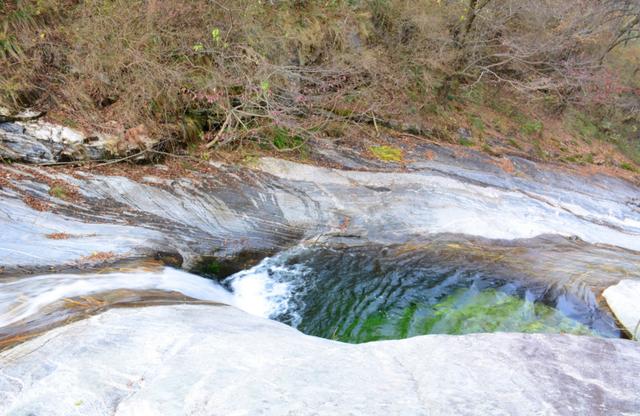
(474, 203)
(553, 227)
(24, 240)
(24, 299)
(624, 301)
(216, 360)
(279, 203)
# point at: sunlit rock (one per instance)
(231, 210)
(624, 301)
(204, 360)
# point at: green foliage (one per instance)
(514, 143)
(215, 35)
(387, 153)
(630, 148)
(9, 47)
(477, 123)
(58, 192)
(265, 86)
(583, 126)
(211, 267)
(489, 150)
(628, 166)
(531, 127)
(283, 139)
(70, 123)
(581, 159)
(465, 142)
(612, 127)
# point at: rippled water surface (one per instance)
(375, 293)
(452, 285)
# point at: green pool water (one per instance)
(368, 294)
(463, 312)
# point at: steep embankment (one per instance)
(548, 81)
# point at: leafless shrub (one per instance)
(232, 71)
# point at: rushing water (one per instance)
(374, 293)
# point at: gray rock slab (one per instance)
(217, 360)
(279, 203)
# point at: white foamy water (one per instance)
(267, 289)
(25, 297)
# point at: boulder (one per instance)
(41, 142)
(624, 301)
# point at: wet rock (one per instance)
(204, 360)
(624, 301)
(219, 215)
(221, 267)
(36, 303)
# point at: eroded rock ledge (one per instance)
(274, 204)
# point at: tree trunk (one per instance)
(460, 41)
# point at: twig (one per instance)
(220, 132)
(122, 159)
(375, 124)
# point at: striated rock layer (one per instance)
(276, 204)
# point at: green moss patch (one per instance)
(387, 153)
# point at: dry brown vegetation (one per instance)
(558, 80)
(97, 257)
(58, 236)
